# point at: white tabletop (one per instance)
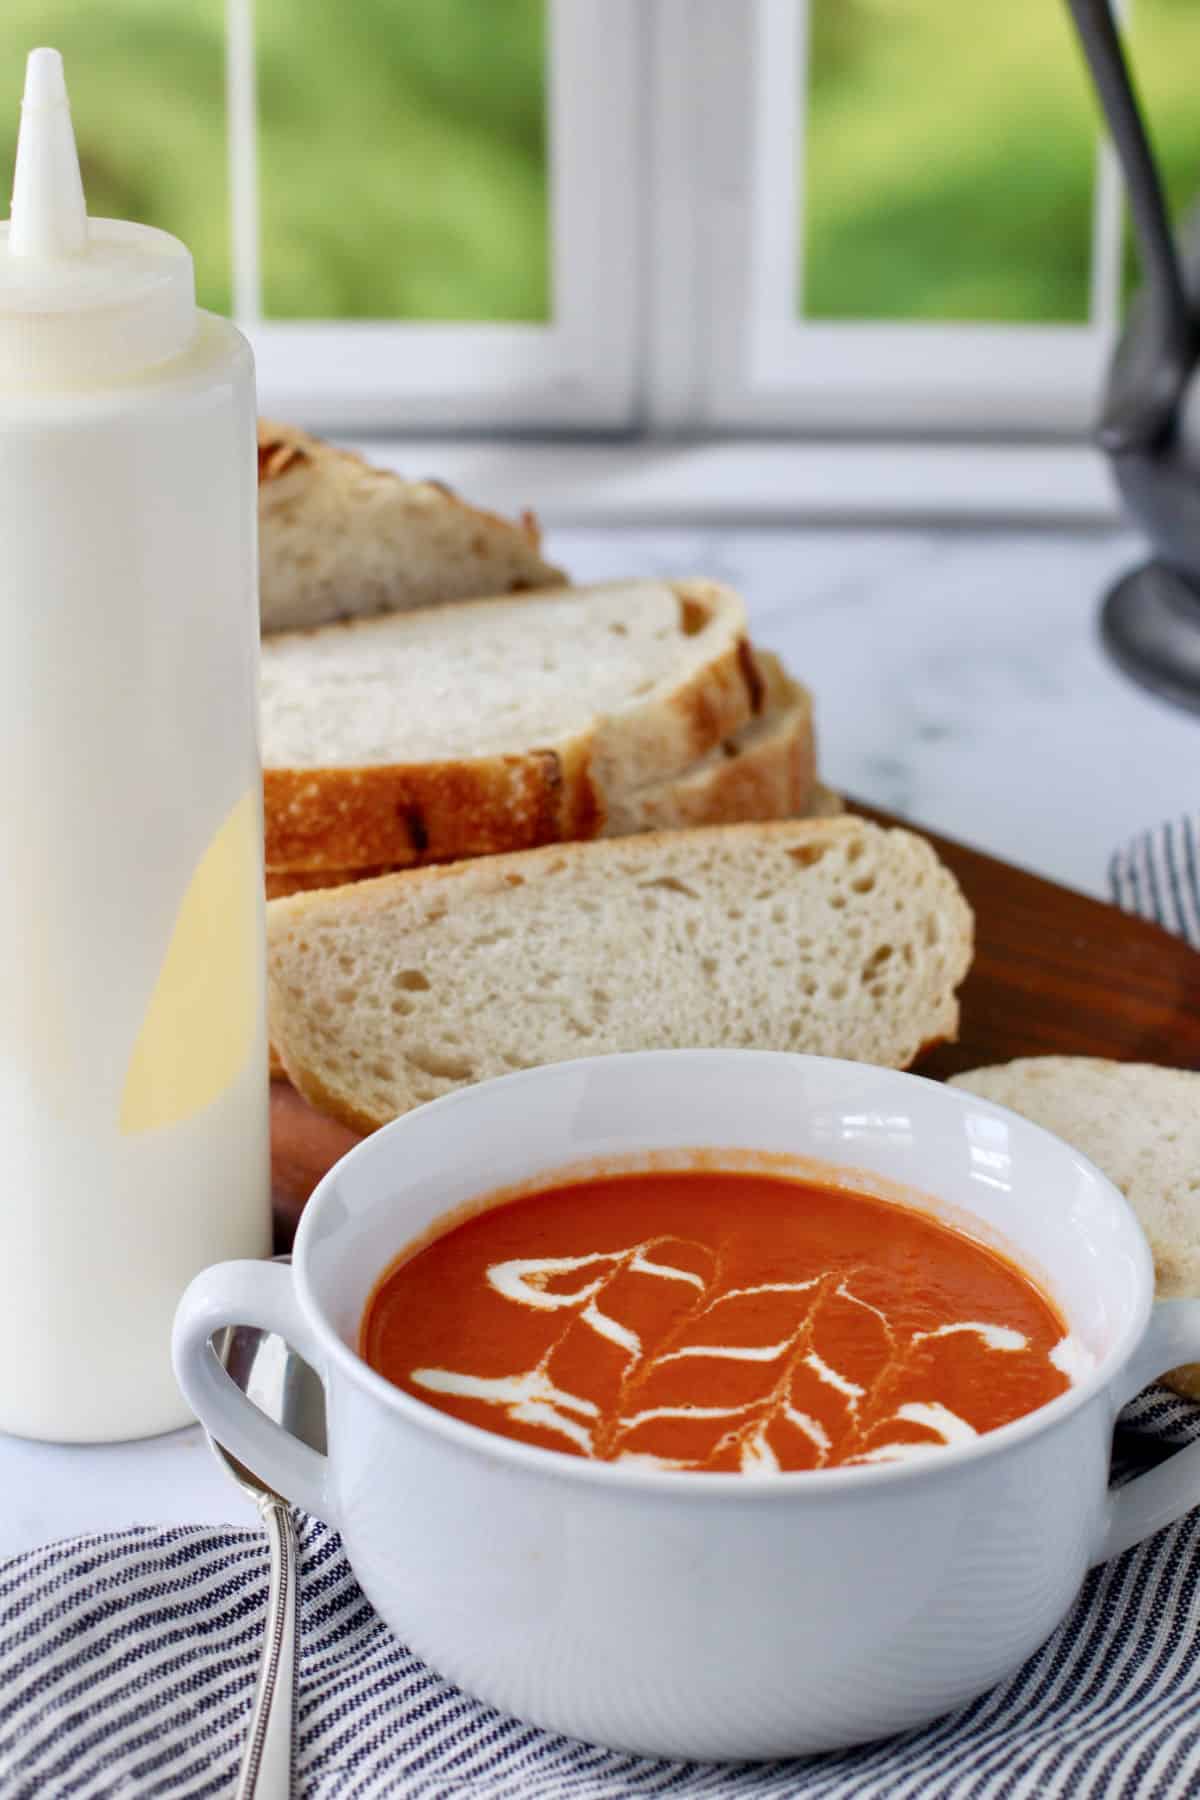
(958, 680)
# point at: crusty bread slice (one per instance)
(765, 771)
(280, 883)
(495, 724)
(1141, 1125)
(833, 936)
(339, 539)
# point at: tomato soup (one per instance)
(716, 1320)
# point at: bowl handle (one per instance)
(261, 1294)
(1163, 1494)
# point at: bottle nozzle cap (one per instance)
(80, 300)
(49, 214)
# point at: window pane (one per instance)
(147, 83)
(949, 162)
(402, 159)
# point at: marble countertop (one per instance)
(959, 681)
(958, 675)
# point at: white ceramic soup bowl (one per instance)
(693, 1615)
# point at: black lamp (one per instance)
(1150, 421)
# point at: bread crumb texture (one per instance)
(483, 678)
(1140, 1124)
(830, 936)
(1137, 1122)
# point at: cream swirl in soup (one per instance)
(713, 1320)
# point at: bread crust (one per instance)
(320, 818)
(767, 772)
(341, 539)
(395, 814)
(747, 779)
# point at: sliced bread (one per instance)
(339, 539)
(767, 770)
(823, 804)
(1141, 1125)
(494, 724)
(833, 936)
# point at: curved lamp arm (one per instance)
(1149, 375)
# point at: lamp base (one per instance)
(1150, 625)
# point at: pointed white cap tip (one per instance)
(45, 82)
(49, 213)
(82, 303)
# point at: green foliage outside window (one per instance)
(950, 155)
(404, 171)
(401, 146)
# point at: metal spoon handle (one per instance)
(266, 1771)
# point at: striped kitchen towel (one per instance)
(127, 1661)
(1157, 876)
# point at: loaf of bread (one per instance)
(494, 724)
(1140, 1124)
(832, 936)
(339, 539)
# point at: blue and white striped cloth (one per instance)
(127, 1661)
(1158, 876)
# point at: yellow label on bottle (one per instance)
(199, 1027)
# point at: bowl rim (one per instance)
(783, 1485)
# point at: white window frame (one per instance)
(675, 346)
(731, 86)
(576, 372)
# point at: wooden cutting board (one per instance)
(1054, 972)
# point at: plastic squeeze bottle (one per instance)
(133, 1061)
